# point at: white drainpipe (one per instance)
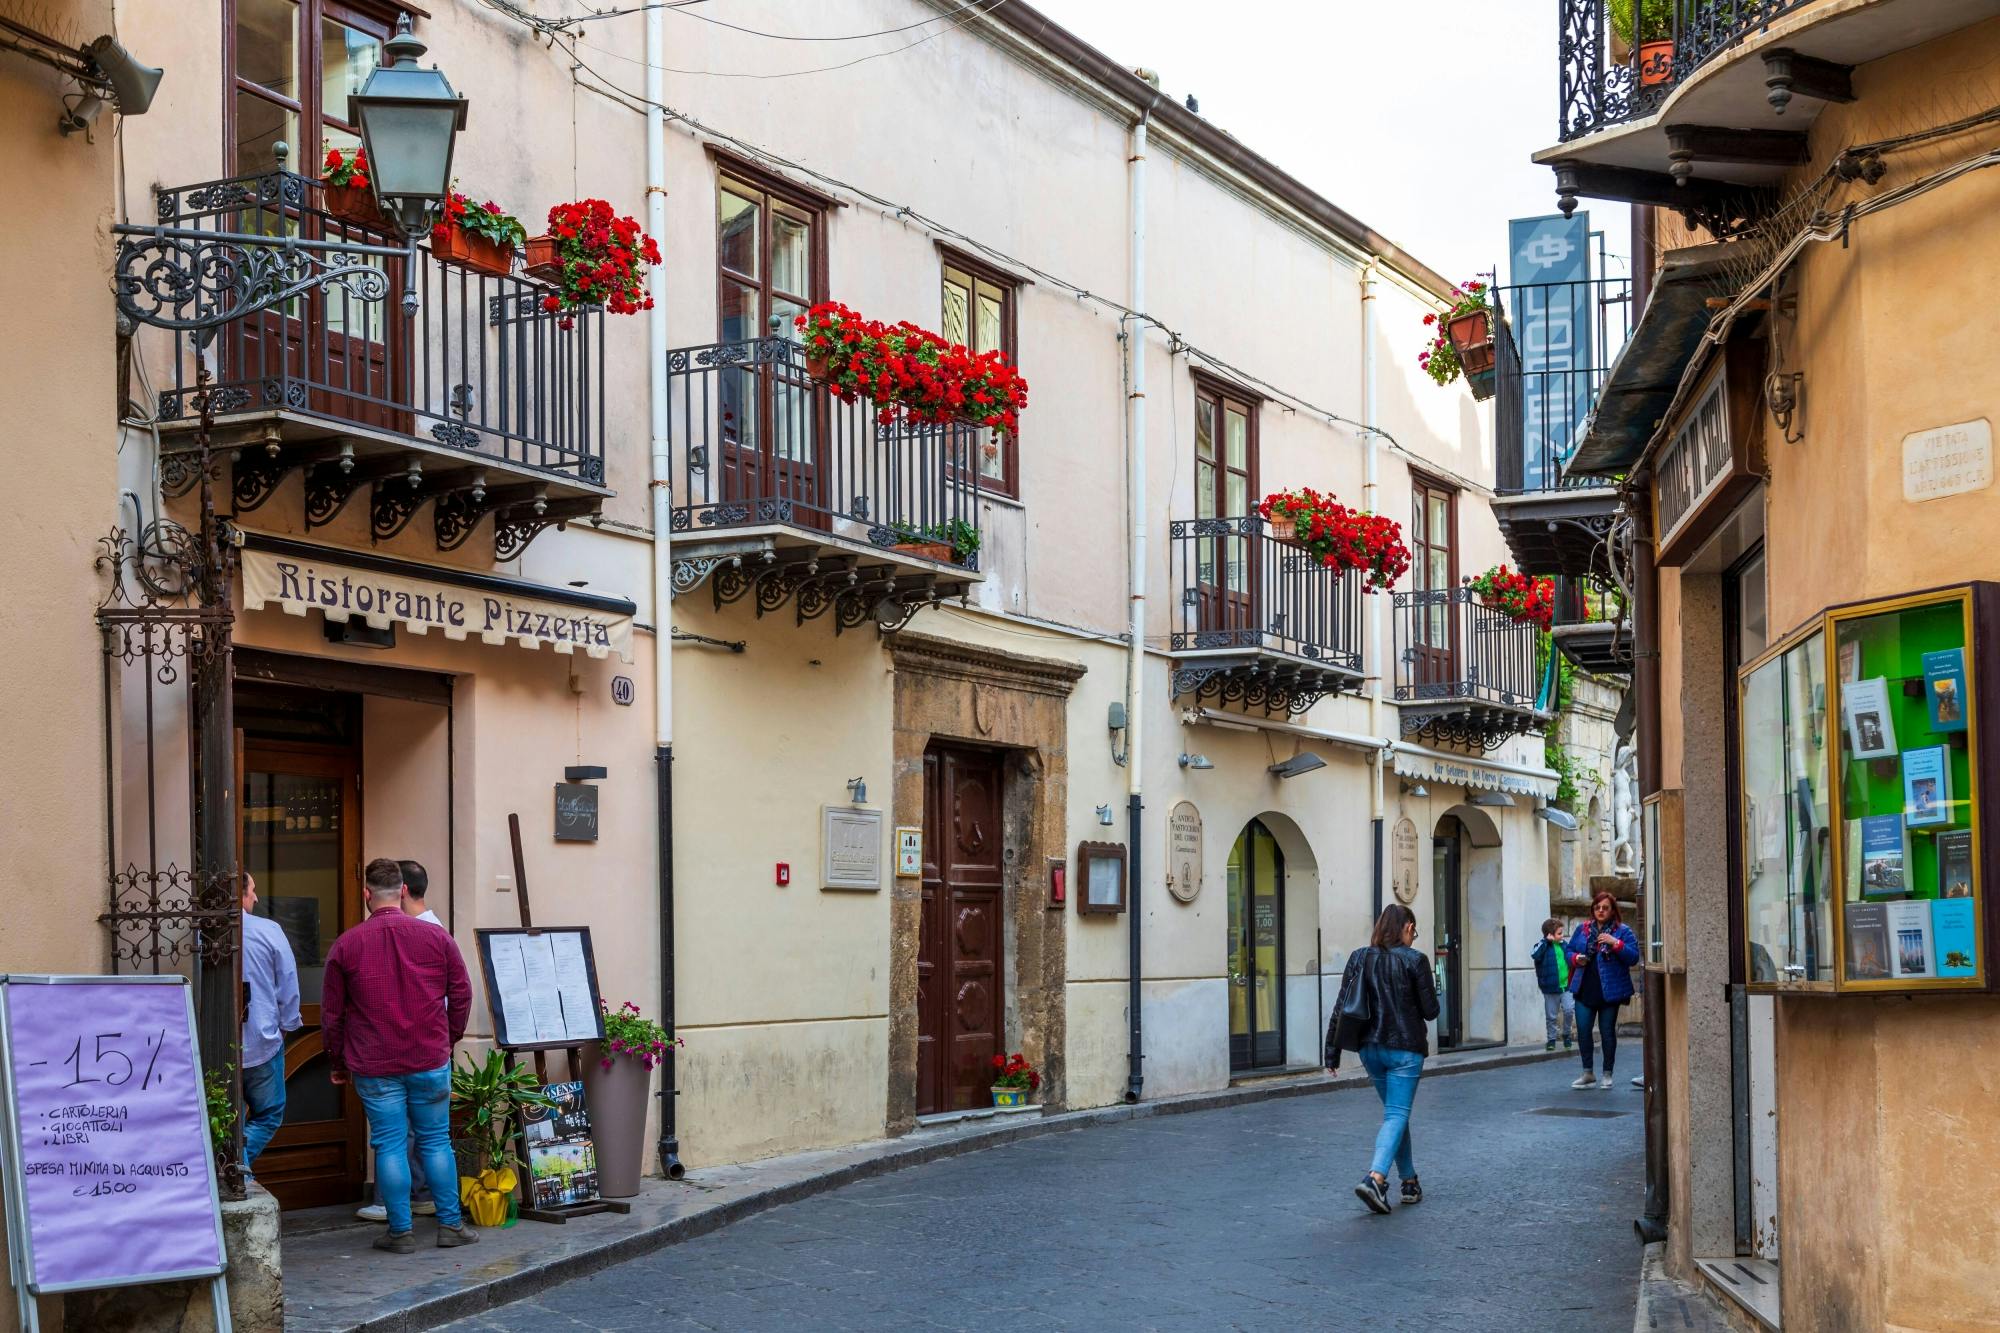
(1371, 500)
(1135, 487)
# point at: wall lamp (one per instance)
(857, 791)
(1562, 819)
(1499, 798)
(1199, 761)
(1297, 764)
(106, 70)
(1416, 789)
(1104, 815)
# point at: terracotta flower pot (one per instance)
(938, 551)
(455, 245)
(353, 203)
(816, 365)
(1656, 63)
(616, 1099)
(543, 262)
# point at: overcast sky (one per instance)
(1419, 119)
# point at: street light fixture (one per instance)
(409, 118)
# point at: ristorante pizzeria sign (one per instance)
(297, 585)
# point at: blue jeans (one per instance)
(1606, 1021)
(401, 1105)
(1394, 1074)
(263, 1105)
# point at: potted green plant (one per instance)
(1013, 1080)
(489, 1097)
(955, 541)
(481, 237)
(1644, 28)
(617, 1088)
(344, 189)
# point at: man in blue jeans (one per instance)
(272, 977)
(396, 1000)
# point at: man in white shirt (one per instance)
(416, 883)
(271, 975)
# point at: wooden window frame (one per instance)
(307, 106)
(1009, 482)
(1222, 391)
(1423, 484)
(1088, 853)
(747, 175)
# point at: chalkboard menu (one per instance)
(109, 1175)
(562, 1160)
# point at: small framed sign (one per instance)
(850, 848)
(909, 852)
(1100, 877)
(576, 812)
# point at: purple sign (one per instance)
(111, 1130)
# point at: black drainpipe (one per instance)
(1376, 828)
(1135, 1079)
(670, 1144)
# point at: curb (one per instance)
(523, 1283)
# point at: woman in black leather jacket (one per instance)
(1400, 998)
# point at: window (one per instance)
(1434, 569)
(291, 65)
(978, 312)
(767, 252)
(1225, 486)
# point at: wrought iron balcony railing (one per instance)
(1257, 619)
(480, 367)
(1464, 671)
(759, 442)
(1556, 346)
(1597, 91)
(1592, 627)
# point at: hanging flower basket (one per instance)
(1339, 538)
(593, 257)
(476, 236)
(1522, 598)
(345, 192)
(909, 373)
(1462, 341)
(542, 260)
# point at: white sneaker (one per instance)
(424, 1208)
(1587, 1081)
(1604, 1082)
(375, 1212)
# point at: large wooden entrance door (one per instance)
(301, 838)
(959, 969)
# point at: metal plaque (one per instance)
(1184, 851)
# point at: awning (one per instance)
(298, 577)
(1458, 770)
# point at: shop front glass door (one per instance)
(1256, 950)
(1450, 966)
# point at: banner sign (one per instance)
(296, 585)
(110, 1176)
(1550, 313)
(1454, 770)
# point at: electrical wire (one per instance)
(975, 7)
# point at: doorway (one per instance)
(1256, 950)
(1448, 932)
(960, 970)
(300, 836)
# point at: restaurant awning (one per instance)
(1421, 764)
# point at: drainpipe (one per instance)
(663, 594)
(1135, 684)
(1370, 500)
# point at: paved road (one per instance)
(1234, 1219)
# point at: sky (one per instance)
(1419, 119)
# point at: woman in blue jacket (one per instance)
(1600, 954)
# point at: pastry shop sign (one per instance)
(297, 585)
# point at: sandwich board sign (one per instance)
(109, 1177)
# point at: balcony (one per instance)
(1555, 344)
(1710, 118)
(1466, 673)
(479, 403)
(790, 496)
(1257, 621)
(1592, 626)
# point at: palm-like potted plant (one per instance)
(488, 1099)
(1644, 28)
(477, 236)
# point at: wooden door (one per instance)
(1225, 484)
(959, 967)
(301, 838)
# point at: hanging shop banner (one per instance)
(1553, 309)
(297, 585)
(110, 1178)
(1456, 770)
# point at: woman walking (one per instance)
(1600, 953)
(1387, 995)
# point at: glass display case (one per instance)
(1860, 819)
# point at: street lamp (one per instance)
(409, 119)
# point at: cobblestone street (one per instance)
(1238, 1218)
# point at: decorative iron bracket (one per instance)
(220, 276)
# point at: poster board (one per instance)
(541, 985)
(562, 1159)
(109, 1174)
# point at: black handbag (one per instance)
(1348, 1028)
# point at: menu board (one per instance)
(541, 985)
(562, 1160)
(109, 1173)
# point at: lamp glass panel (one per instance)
(409, 148)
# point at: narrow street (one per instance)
(1240, 1218)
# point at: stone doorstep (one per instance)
(335, 1282)
(1665, 1303)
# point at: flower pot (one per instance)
(1010, 1096)
(816, 365)
(355, 204)
(938, 551)
(1656, 63)
(543, 261)
(456, 245)
(617, 1099)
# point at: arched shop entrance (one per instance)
(1256, 878)
(1464, 928)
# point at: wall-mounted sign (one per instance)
(1713, 457)
(850, 848)
(576, 812)
(1184, 851)
(622, 691)
(1100, 876)
(909, 852)
(1949, 460)
(1403, 844)
(1453, 770)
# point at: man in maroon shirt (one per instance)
(394, 1002)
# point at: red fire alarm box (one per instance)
(1058, 884)
(784, 873)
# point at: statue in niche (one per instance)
(1625, 810)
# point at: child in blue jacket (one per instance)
(1551, 962)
